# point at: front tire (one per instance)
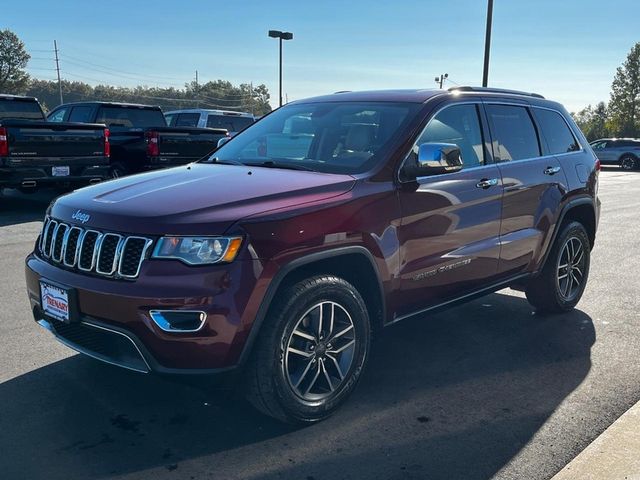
(561, 283)
(311, 352)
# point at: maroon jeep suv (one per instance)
(279, 254)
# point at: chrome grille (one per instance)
(104, 253)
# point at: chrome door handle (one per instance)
(551, 170)
(487, 182)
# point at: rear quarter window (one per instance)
(556, 132)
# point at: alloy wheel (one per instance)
(571, 268)
(319, 352)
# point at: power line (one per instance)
(117, 70)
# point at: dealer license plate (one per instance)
(55, 301)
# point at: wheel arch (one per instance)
(344, 262)
(582, 210)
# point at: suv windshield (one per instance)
(324, 137)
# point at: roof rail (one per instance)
(342, 91)
(493, 90)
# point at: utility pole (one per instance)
(441, 79)
(487, 43)
(55, 49)
(196, 91)
(196, 80)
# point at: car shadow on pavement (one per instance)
(17, 207)
(451, 395)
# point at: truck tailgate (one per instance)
(48, 140)
(188, 143)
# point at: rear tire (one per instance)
(628, 162)
(561, 283)
(311, 352)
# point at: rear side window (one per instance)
(514, 132)
(80, 114)
(559, 137)
(187, 120)
(458, 124)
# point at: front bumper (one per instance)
(113, 323)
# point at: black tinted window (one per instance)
(459, 125)
(556, 132)
(514, 132)
(229, 122)
(20, 109)
(80, 114)
(130, 117)
(187, 120)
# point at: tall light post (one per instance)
(281, 36)
(441, 79)
(487, 43)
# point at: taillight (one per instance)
(4, 142)
(107, 145)
(153, 147)
(598, 165)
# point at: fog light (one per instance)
(178, 320)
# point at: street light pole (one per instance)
(280, 36)
(487, 43)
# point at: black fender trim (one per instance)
(290, 267)
(586, 200)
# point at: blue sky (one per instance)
(567, 50)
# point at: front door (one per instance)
(449, 234)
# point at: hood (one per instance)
(200, 199)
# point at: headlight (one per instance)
(198, 250)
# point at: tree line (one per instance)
(218, 94)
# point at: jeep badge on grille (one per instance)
(81, 216)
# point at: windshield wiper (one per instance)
(289, 166)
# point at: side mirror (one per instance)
(437, 158)
(223, 140)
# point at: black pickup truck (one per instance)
(35, 153)
(139, 136)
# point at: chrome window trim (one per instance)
(43, 236)
(53, 242)
(143, 255)
(114, 263)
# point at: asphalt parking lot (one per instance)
(486, 390)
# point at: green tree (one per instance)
(13, 60)
(624, 106)
(593, 121)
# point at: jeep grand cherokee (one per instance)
(278, 255)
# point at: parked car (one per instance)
(140, 138)
(618, 151)
(233, 122)
(34, 153)
(276, 262)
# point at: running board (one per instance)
(463, 299)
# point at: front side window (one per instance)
(459, 125)
(58, 115)
(514, 132)
(559, 137)
(331, 137)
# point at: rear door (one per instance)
(534, 185)
(449, 233)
